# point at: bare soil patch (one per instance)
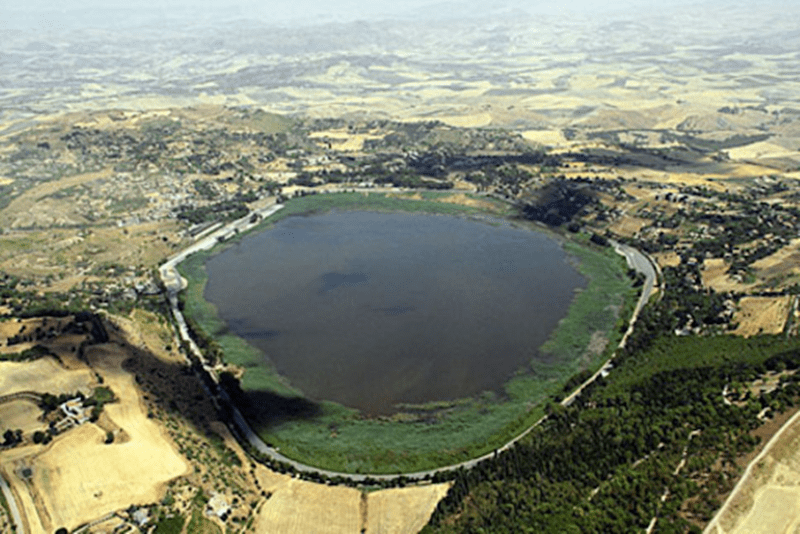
(343, 140)
(768, 514)
(768, 501)
(757, 315)
(667, 259)
(546, 137)
(715, 276)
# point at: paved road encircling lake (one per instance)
(174, 284)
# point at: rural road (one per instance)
(174, 284)
(12, 504)
(643, 265)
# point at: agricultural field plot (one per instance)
(298, 507)
(45, 375)
(762, 315)
(94, 469)
(21, 414)
(402, 510)
(715, 275)
(783, 264)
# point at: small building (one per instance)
(74, 410)
(141, 517)
(218, 506)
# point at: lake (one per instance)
(374, 309)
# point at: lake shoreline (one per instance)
(309, 440)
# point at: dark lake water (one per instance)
(373, 309)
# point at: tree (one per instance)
(12, 437)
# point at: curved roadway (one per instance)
(174, 284)
(12, 504)
(645, 266)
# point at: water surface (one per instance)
(374, 309)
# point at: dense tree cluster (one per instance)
(558, 202)
(226, 210)
(602, 464)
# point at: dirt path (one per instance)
(12, 504)
(754, 471)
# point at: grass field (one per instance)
(425, 437)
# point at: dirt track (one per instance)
(766, 500)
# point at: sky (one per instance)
(47, 14)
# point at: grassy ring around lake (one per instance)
(331, 436)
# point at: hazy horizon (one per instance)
(95, 14)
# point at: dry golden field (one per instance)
(402, 510)
(78, 477)
(298, 507)
(767, 501)
(21, 413)
(716, 277)
(44, 375)
(762, 315)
